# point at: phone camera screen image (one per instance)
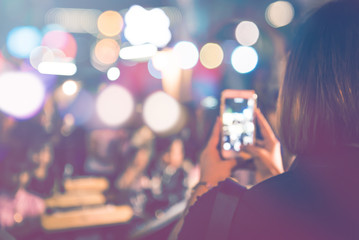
(238, 125)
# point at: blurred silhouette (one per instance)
(17, 206)
(40, 154)
(169, 178)
(132, 182)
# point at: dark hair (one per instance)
(13, 162)
(318, 103)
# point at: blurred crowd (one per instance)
(148, 172)
(145, 170)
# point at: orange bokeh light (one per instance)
(110, 23)
(107, 51)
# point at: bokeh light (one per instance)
(52, 61)
(69, 119)
(247, 33)
(57, 68)
(100, 66)
(161, 60)
(113, 73)
(244, 59)
(38, 55)
(153, 71)
(143, 26)
(22, 40)
(166, 61)
(279, 14)
(161, 112)
(186, 54)
(110, 23)
(2, 62)
(61, 40)
(21, 94)
(209, 102)
(211, 55)
(138, 52)
(107, 51)
(70, 87)
(114, 105)
(63, 100)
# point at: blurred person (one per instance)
(107, 152)
(133, 181)
(142, 149)
(18, 207)
(70, 150)
(135, 169)
(30, 136)
(214, 170)
(99, 160)
(44, 176)
(317, 197)
(175, 175)
(21, 206)
(170, 177)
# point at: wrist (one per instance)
(204, 184)
(198, 190)
(210, 181)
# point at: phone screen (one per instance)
(238, 123)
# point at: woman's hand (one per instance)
(266, 152)
(213, 168)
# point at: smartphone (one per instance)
(238, 127)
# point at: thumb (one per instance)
(231, 163)
(252, 150)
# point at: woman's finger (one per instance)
(231, 163)
(264, 127)
(213, 140)
(260, 143)
(253, 150)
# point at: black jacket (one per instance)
(318, 198)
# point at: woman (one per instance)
(18, 207)
(317, 198)
(43, 179)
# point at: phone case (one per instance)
(242, 130)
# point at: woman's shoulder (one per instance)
(259, 205)
(231, 187)
(272, 187)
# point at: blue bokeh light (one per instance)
(22, 40)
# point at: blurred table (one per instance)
(87, 217)
(83, 205)
(86, 183)
(75, 199)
